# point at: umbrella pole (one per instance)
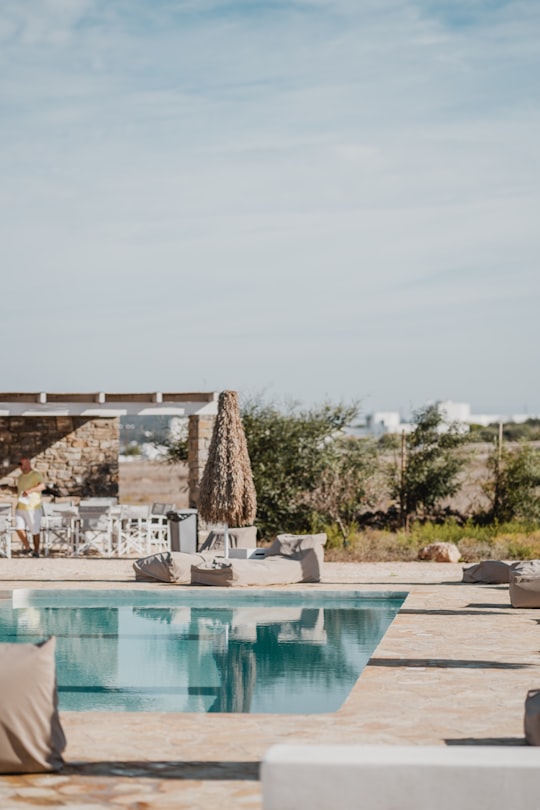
(226, 541)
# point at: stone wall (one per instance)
(80, 455)
(77, 454)
(199, 437)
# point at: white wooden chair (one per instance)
(159, 536)
(59, 527)
(94, 530)
(6, 528)
(132, 530)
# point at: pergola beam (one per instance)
(105, 404)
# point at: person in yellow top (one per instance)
(28, 509)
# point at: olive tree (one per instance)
(347, 483)
(291, 450)
(514, 486)
(426, 470)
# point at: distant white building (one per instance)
(455, 411)
(461, 412)
(382, 422)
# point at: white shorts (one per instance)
(29, 519)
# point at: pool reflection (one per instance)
(255, 658)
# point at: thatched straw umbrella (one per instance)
(227, 493)
(237, 675)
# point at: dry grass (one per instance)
(154, 482)
(380, 546)
(374, 546)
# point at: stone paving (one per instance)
(453, 669)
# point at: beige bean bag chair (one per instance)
(488, 572)
(169, 566)
(524, 585)
(531, 721)
(290, 559)
(31, 736)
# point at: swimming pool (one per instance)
(180, 651)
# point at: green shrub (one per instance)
(290, 450)
(514, 488)
(427, 471)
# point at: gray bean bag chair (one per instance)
(524, 587)
(489, 572)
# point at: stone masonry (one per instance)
(80, 455)
(199, 437)
(77, 454)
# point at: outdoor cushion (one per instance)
(531, 720)
(489, 572)
(275, 570)
(167, 566)
(31, 736)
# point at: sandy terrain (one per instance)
(144, 481)
(153, 481)
(149, 481)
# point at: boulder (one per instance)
(440, 552)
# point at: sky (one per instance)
(312, 200)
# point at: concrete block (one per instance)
(362, 777)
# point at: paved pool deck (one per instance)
(453, 669)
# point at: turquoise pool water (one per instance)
(262, 652)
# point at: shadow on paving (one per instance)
(58, 582)
(406, 584)
(434, 612)
(496, 606)
(198, 770)
(488, 741)
(445, 663)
